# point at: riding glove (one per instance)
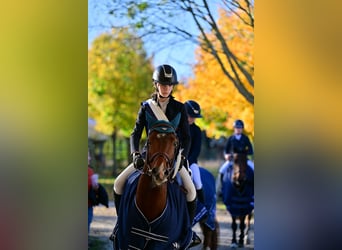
(138, 161)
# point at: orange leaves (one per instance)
(220, 100)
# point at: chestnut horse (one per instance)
(153, 212)
(238, 195)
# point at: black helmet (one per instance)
(193, 109)
(238, 124)
(165, 75)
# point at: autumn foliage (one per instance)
(220, 101)
(119, 77)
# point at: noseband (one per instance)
(169, 164)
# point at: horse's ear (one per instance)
(176, 120)
(150, 120)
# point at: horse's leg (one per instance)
(249, 218)
(214, 236)
(242, 230)
(234, 227)
(206, 235)
(210, 236)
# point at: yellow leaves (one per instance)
(220, 101)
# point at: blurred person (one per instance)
(238, 142)
(194, 111)
(92, 188)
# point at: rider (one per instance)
(237, 143)
(194, 111)
(164, 78)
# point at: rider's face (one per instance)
(191, 120)
(164, 90)
(238, 131)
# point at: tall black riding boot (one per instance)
(192, 209)
(200, 195)
(117, 199)
(192, 212)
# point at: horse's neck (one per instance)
(151, 200)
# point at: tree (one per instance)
(119, 75)
(157, 18)
(221, 103)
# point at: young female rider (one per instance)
(164, 78)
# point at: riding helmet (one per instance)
(165, 75)
(238, 124)
(193, 109)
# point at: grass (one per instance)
(106, 180)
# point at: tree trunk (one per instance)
(114, 153)
(128, 145)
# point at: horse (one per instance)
(153, 211)
(238, 195)
(206, 213)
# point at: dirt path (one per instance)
(105, 219)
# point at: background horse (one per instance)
(238, 194)
(206, 213)
(153, 211)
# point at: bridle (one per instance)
(163, 130)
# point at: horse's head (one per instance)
(162, 146)
(239, 175)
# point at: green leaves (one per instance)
(119, 78)
(142, 6)
(136, 8)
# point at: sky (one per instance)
(181, 57)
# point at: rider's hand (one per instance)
(138, 161)
(185, 164)
(228, 157)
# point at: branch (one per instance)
(248, 11)
(236, 81)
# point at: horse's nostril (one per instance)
(166, 172)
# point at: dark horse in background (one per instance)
(153, 210)
(206, 213)
(238, 194)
